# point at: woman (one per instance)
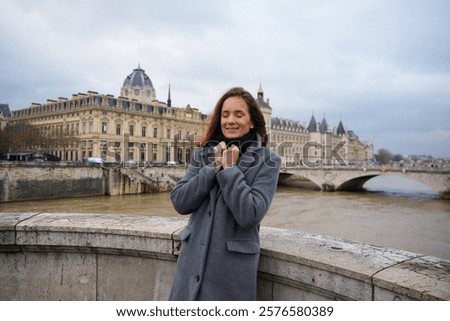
(228, 188)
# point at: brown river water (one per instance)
(392, 212)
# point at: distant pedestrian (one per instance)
(228, 188)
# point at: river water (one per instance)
(393, 212)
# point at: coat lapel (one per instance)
(247, 160)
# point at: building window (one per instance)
(91, 127)
(188, 155)
(155, 152)
(97, 100)
(84, 127)
(104, 127)
(131, 130)
(155, 132)
(118, 129)
(168, 133)
(112, 102)
(144, 131)
(167, 153)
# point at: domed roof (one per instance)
(138, 78)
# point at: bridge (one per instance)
(349, 178)
(327, 178)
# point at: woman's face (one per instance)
(235, 120)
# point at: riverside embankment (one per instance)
(21, 181)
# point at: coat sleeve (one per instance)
(189, 193)
(249, 203)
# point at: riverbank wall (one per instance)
(68, 256)
(23, 181)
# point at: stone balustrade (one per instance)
(116, 257)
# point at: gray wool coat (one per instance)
(220, 244)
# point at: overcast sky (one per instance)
(380, 66)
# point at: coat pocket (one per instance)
(245, 247)
(185, 233)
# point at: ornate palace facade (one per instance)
(136, 127)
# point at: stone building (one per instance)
(324, 142)
(317, 144)
(136, 127)
(5, 114)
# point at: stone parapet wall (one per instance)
(114, 257)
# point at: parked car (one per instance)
(93, 160)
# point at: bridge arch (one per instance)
(328, 180)
(292, 179)
(356, 183)
(345, 179)
(438, 182)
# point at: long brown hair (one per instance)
(214, 129)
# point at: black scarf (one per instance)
(242, 142)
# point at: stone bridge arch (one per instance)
(330, 180)
(346, 179)
(438, 181)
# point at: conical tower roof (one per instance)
(312, 127)
(340, 129)
(323, 126)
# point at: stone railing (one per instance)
(114, 257)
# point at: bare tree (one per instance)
(61, 139)
(20, 137)
(384, 156)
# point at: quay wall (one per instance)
(22, 181)
(70, 256)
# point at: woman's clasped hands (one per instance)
(225, 157)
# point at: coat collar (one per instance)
(247, 160)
